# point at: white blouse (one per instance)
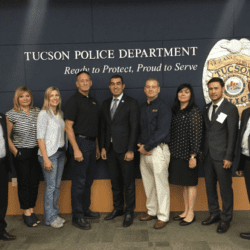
(51, 129)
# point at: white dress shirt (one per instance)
(211, 108)
(2, 143)
(244, 143)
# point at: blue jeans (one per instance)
(52, 186)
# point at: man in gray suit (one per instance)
(221, 125)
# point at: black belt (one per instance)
(2, 159)
(60, 149)
(86, 137)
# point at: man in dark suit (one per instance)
(243, 155)
(5, 167)
(119, 129)
(221, 126)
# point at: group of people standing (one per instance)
(170, 142)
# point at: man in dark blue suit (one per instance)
(119, 130)
(221, 126)
(5, 167)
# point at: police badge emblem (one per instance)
(230, 60)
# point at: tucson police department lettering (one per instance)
(110, 54)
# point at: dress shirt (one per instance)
(155, 119)
(2, 143)
(244, 143)
(51, 130)
(211, 108)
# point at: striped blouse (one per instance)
(24, 127)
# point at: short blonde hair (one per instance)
(46, 105)
(19, 91)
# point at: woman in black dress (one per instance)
(186, 134)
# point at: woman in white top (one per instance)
(51, 153)
(21, 123)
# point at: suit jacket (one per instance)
(220, 138)
(243, 125)
(8, 154)
(123, 128)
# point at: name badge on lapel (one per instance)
(154, 110)
(221, 117)
(94, 103)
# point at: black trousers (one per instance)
(214, 172)
(28, 171)
(3, 194)
(82, 177)
(245, 165)
(122, 180)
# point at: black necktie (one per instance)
(213, 113)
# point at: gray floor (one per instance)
(141, 235)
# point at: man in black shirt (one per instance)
(155, 119)
(81, 125)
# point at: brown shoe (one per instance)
(160, 224)
(147, 217)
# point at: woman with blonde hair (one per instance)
(21, 121)
(51, 141)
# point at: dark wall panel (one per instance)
(161, 20)
(38, 22)
(63, 22)
(185, 68)
(12, 19)
(11, 67)
(242, 19)
(6, 101)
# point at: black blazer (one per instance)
(220, 138)
(243, 125)
(124, 127)
(4, 126)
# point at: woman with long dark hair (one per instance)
(186, 134)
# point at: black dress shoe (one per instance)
(81, 223)
(7, 237)
(128, 219)
(223, 227)
(185, 223)
(245, 236)
(210, 220)
(177, 217)
(114, 214)
(91, 215)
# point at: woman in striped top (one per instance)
(21, 121)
